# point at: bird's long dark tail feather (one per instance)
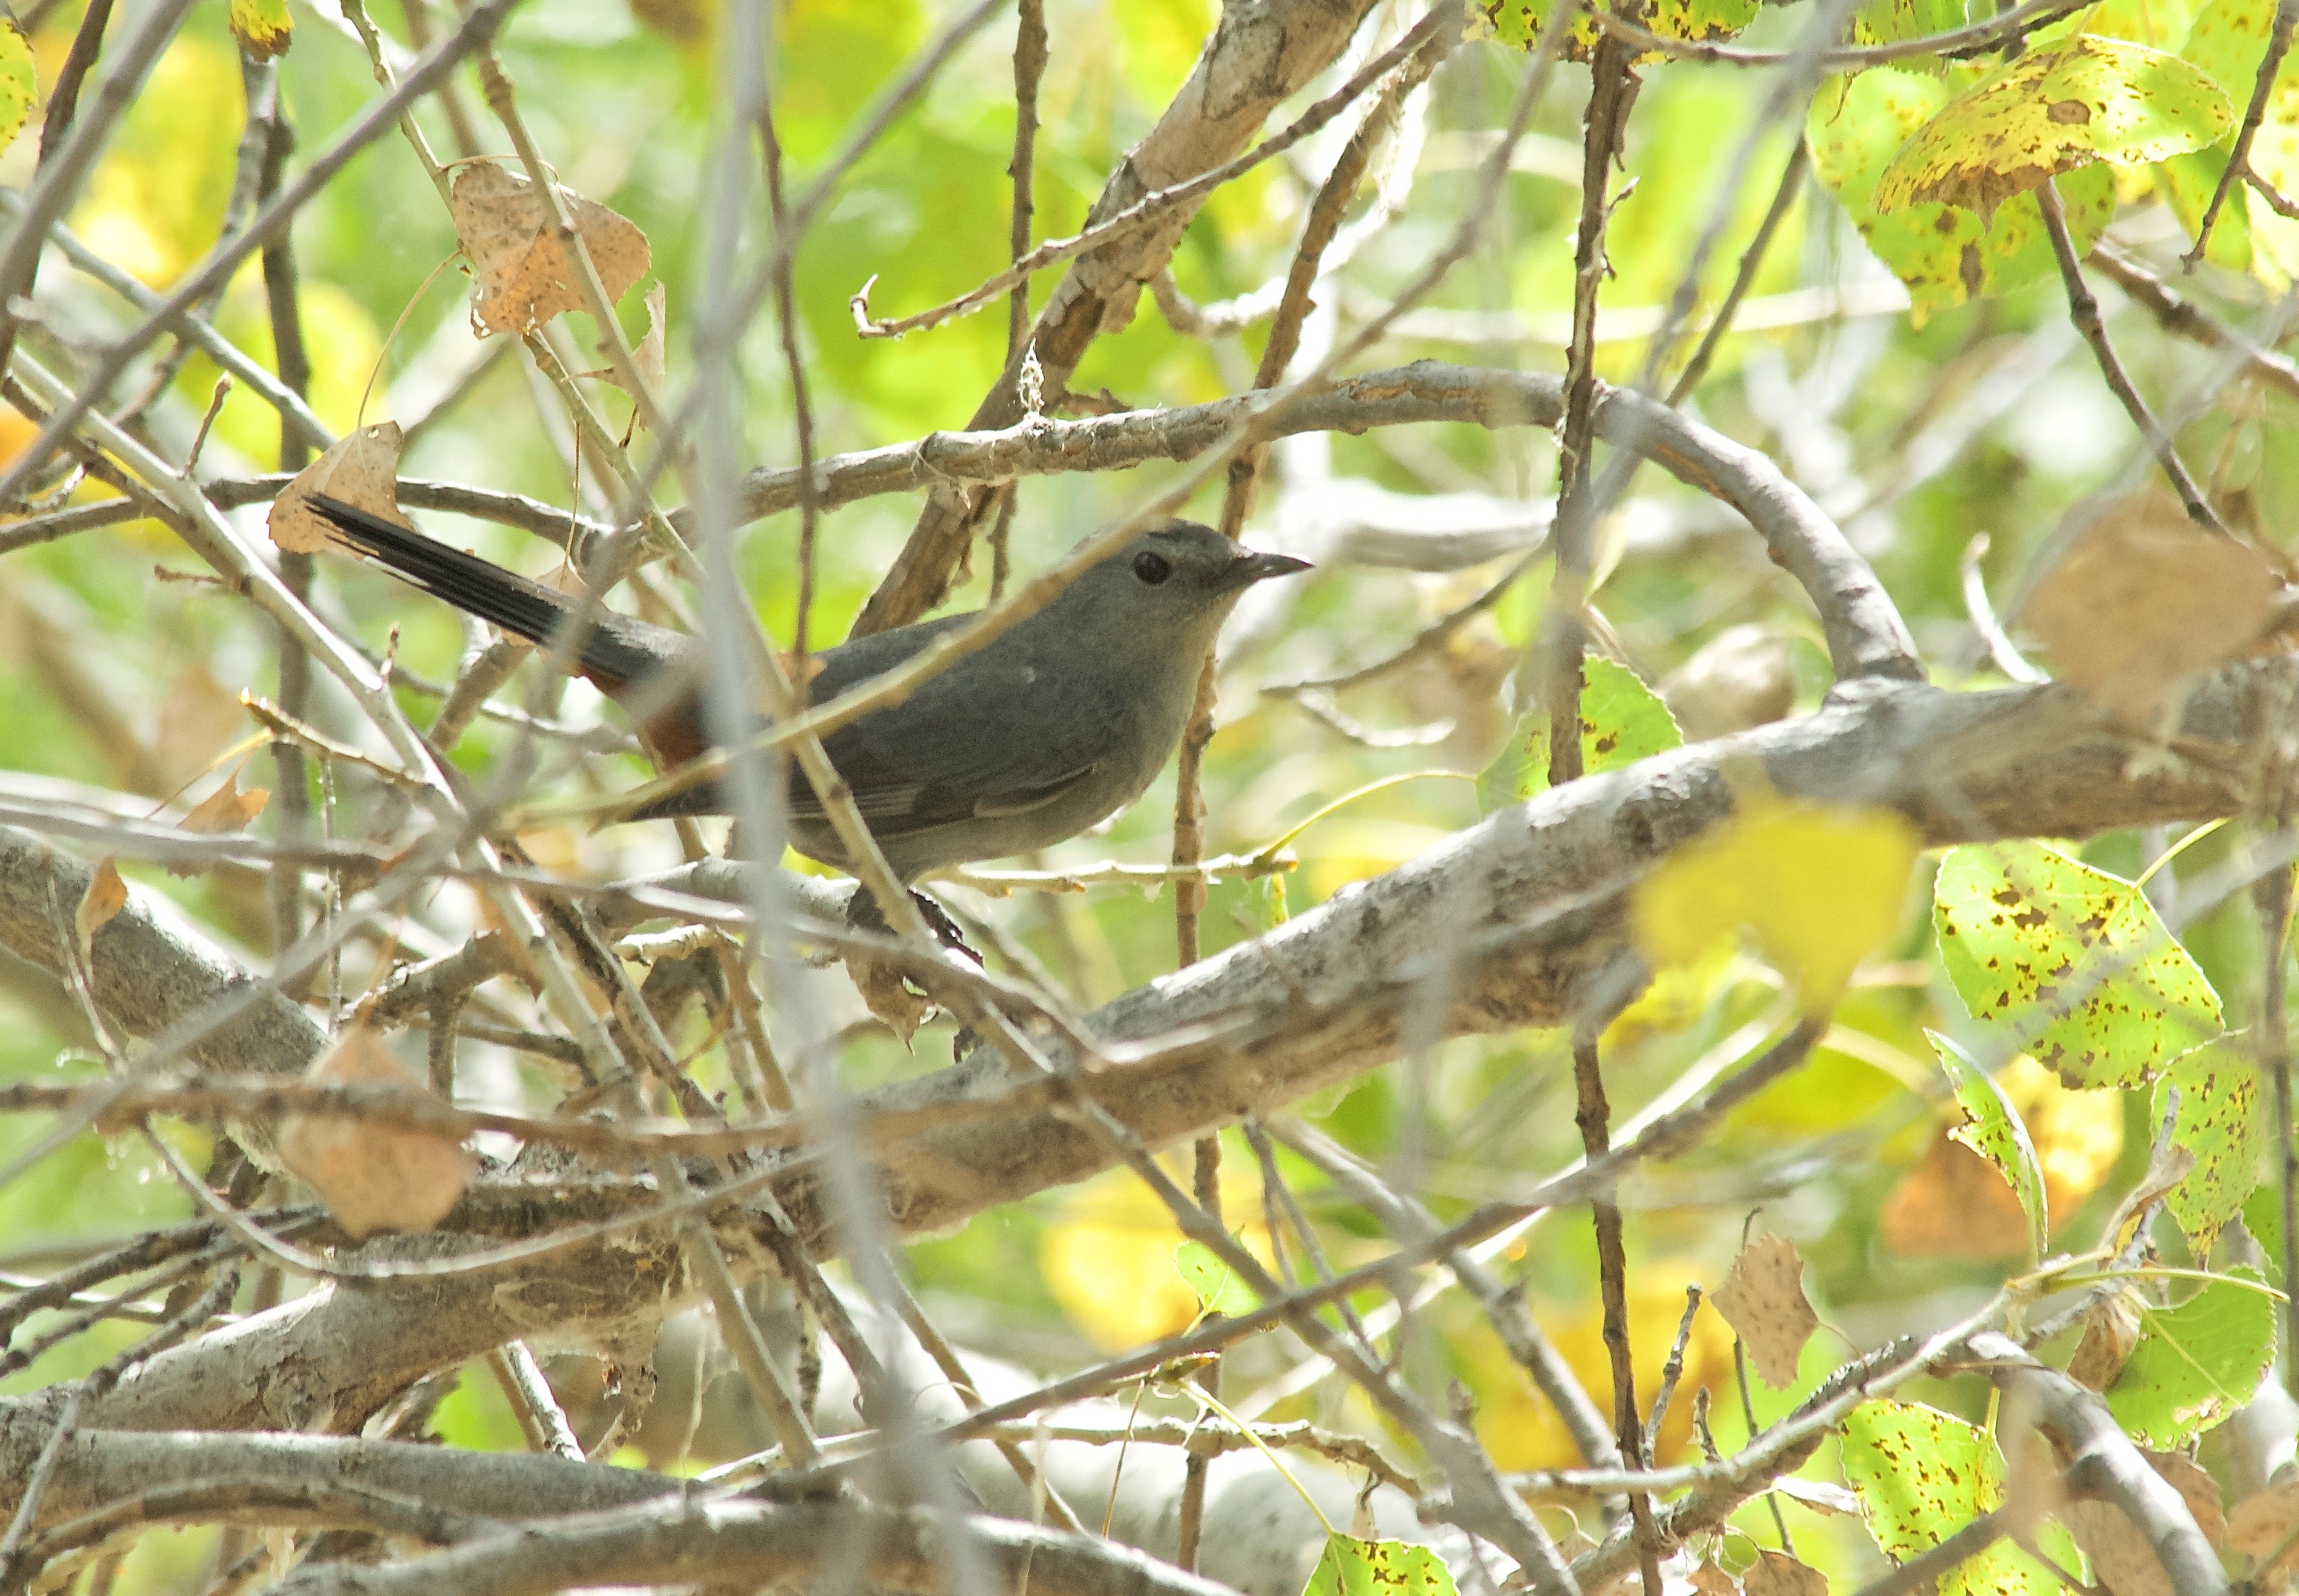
(616, 650)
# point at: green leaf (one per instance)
(1888, 21)
(2262, 1216)
(2073, 960)
(2197, 1363)
(2218, 1122)
(2229, 43)
(19, 87)
(1993, 1129)
(1921, 1475)
(1355, 1567)
(2057, 108)
(1214, 1282)
(1622, 722)
(1946, 255)
(261, 27)
(1518, 22)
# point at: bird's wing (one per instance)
(895, 805)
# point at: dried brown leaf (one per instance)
(2264, 1521)
(525, 274)
(2111, 1330)
(647, 353)
(1762, 1300)
(362, 470)
(2121, 1560)
(372, 1177)
(1954, 1204)
(197, 721)
(1777, 1574)
(1710, 1580)
(106, 897)
(888, 996)
(2197, 1489)
(2145, 601)
(226, 809)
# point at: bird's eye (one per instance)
(1151, 568)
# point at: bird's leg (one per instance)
(902, 1001)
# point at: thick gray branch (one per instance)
(1532, 903)
(756, 1544)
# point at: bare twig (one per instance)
(2254, 115)
(2083, 309)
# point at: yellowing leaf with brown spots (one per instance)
(20, 87)
(263, 26)
(1762, 1300)
(1944, 254)
(2062, 105)
(2220, 1122)
(2072, 961)
(1922, 1475)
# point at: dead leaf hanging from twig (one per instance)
(362, 470)
(1762, 1300)
(2145, 601)
(372, 1176)
(526, 272)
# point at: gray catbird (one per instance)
(1053, 727)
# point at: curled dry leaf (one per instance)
(1710, 1580)
(1762, 1300)
(225, 810)
(1954, 1204)
(647, 353)
(526, 273)
(2264, 1522)
(2145, 601)
(887, 995)
(362, 470)
(106, 897)
(2197, 1489)
(372, 1177)
(2120, 1560)
(2111, 1330)
(1777, 1574)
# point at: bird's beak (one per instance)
(1250, 568)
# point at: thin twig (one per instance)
(2083, 309)
(2183, 317)
(225, 258)
(1752, 259)
(2255, 114)
(1030, 54)
(1152, 206)
(2270, 896)
(809, 513)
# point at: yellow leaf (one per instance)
(261, 27)
(1821, 887)
(18, 86)
(1108, 1255)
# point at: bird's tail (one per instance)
(617, 651)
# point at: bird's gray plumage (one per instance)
(1049, 729)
